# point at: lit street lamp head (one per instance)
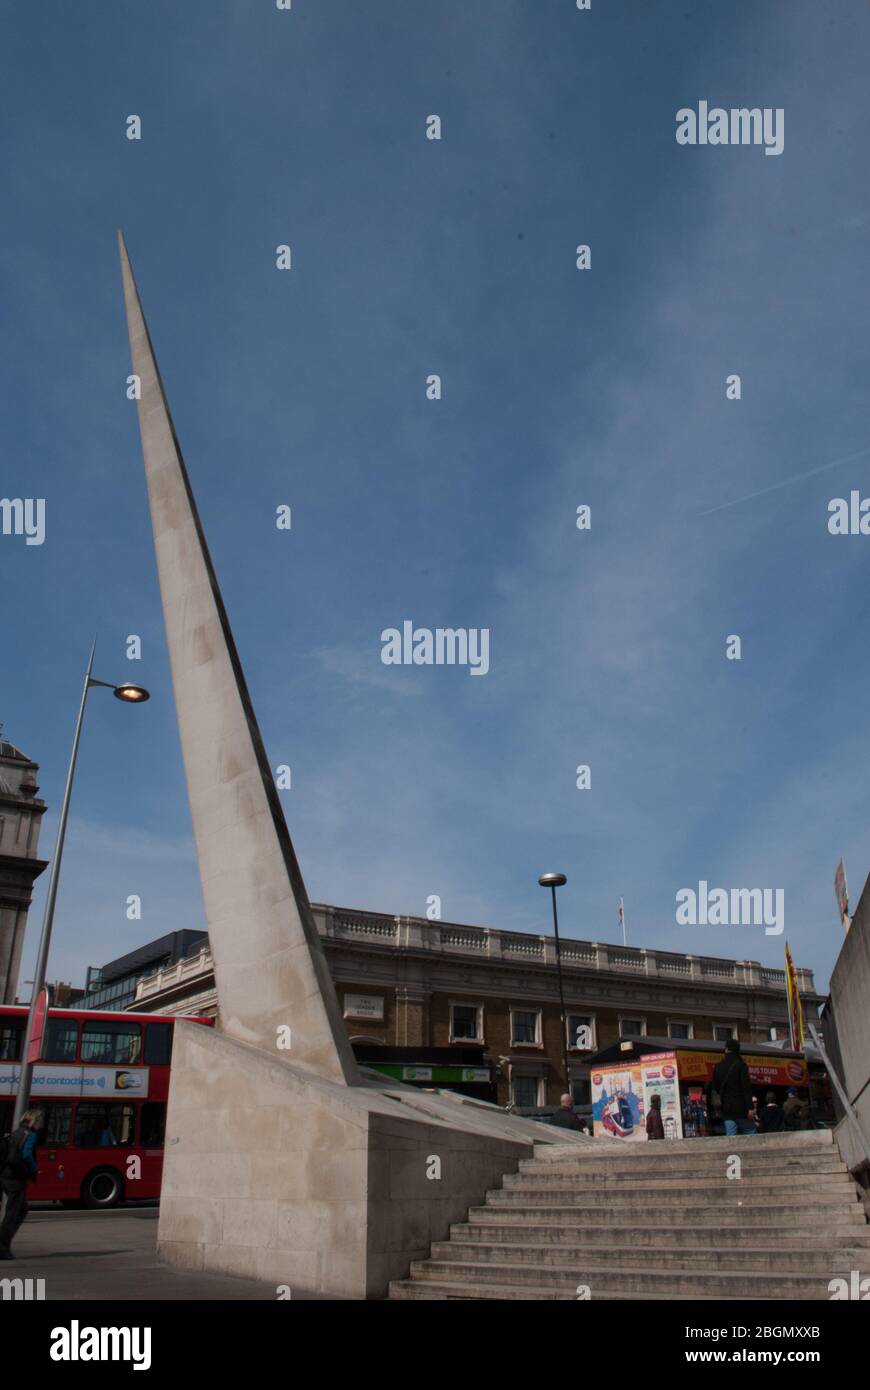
(133, 694)
(552, 880)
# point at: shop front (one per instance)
(466, 1070)
(627, 1075)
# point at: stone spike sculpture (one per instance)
(270, 967)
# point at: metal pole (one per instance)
(22, 1100)
(561, 995)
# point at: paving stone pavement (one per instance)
(86, 1256)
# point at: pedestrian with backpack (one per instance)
(17, 1168)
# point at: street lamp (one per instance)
(554, 881)
(131, 695)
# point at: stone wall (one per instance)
(848, 1017)
(327, 1189)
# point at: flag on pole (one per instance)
(841, 888)
(795, 1013)
(622, 919)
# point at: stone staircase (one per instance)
(659, 1220)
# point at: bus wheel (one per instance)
(102, 1188)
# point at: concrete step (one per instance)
(802, 1139)
(608, 1185)
(441, 1290)
(704, 1195)
(827, 1235)
(774, 1260)
(657, 1223)
(690, 1214)
(677, 1165)
(783, 1284)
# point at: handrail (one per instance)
(851, 1113)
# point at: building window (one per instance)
(466, 1023)
(723, 1031)
(632, 1027)
(574, 1023)
(581, 1091)
(525, 1091)
(680, 1030)
(526, 1027)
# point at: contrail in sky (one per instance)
(774, 487)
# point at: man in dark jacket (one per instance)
(20, 1169)
(564, 1116)
(771, 1119)
(795, 1111)
(731, 1081)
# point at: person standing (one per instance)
(795, 1111)
(731, 1082)
(771, 1119)
(654, 1125)
(564, 1116)
(19, 1169)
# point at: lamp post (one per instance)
(131, 695)
(554, 881)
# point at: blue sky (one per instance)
(560, 388)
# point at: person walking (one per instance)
(731, 1084)
(655, 1128)
(18, 1170)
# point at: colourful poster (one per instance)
(617, 1103)
(660, 1078)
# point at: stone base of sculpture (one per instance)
(319, 1188)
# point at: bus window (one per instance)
(7, 1110)
(104, 1126)
(11, 1034)
(104, 1040)
(153, 1125)
(61, 1040)
(158, 1044)
(56, 1124)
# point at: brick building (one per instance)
(411, 983)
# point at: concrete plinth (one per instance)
(274, 1174)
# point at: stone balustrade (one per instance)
(456, 939)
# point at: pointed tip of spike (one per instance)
(131, 294)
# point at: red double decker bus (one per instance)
(102, 1081)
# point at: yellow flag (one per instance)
(795, 1012)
